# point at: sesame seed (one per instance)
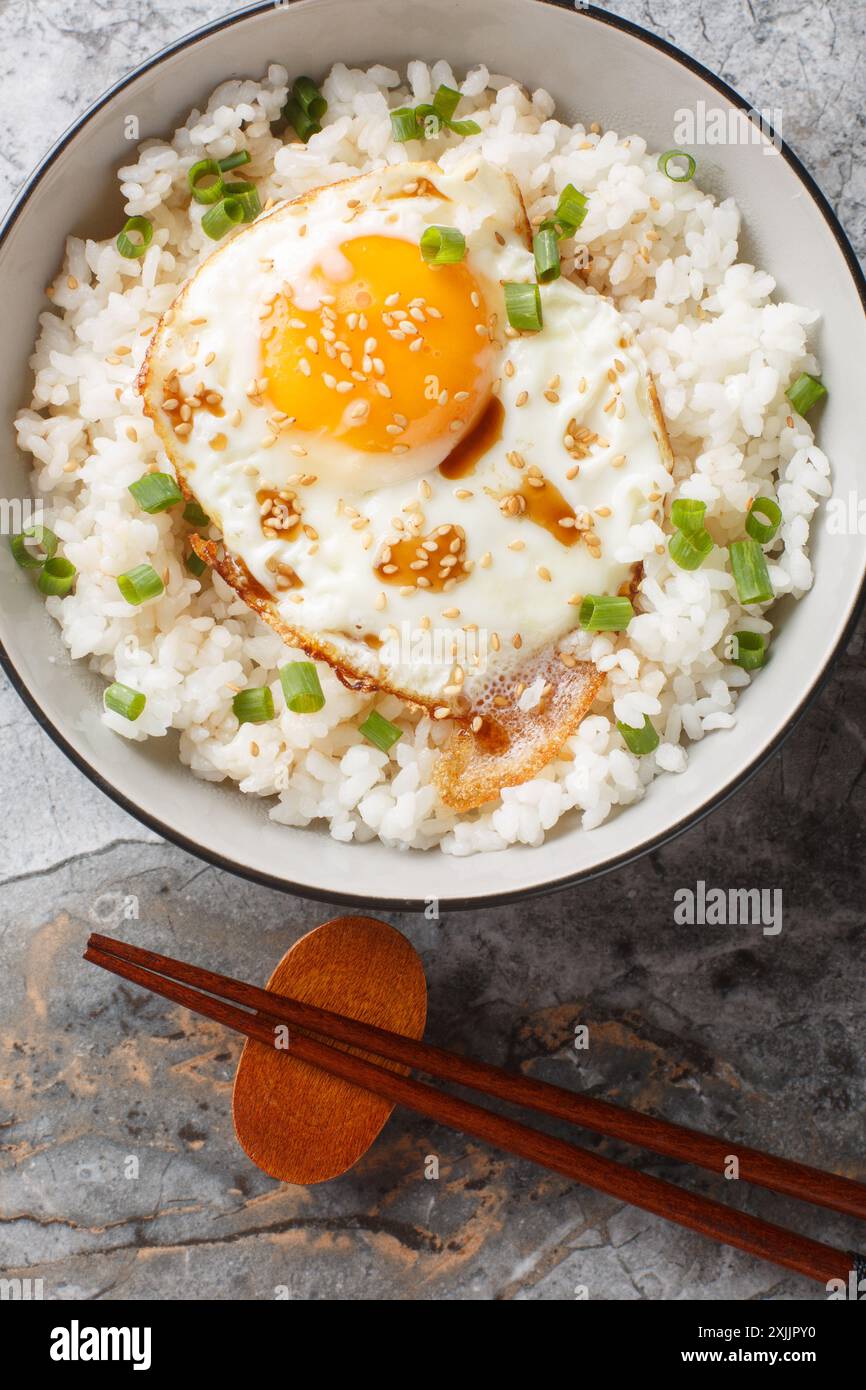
(461, 493)
(522, 398)
(573, 472)
(551, 396)
(383, 389)
(416, 344)
(450, 612)
(603, 511)
(381, 601)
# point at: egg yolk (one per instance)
(396, 354)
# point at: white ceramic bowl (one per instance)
(598, 67)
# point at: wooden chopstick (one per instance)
(701, 1214)
(661, 1136)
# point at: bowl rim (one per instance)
(457, 904)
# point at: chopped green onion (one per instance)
(750, 572)
(428, 121)
(523, 306)
(751, 650)
(805, 392)
(254, 706)
(305, 126)
(122, 699)
(571, 209)
(664, 160)
(220, 219)
(546, 250)
(234, 161)
(464, 127)
(379, 731)
(248, 196)
(605, 613)
(57, 577)
(404, 124)
(302, 687)
(445, 102)
(639, 741)
(156, 492)
(759, 530)
(195, 564)
(309, 98)
(687, 514)
(442, 245)
(139, 584)
(689, 549)
(205, 192)
(139, 227)
(27, 556)
(194, 514)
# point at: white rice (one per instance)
(722, 353)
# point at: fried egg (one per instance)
(405, 486)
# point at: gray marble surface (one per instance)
(759, 1037)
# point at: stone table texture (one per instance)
(121, 1178)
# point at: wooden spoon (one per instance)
(296, 1122)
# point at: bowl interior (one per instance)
(596, 71)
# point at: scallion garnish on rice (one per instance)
(123, 700)
(442, 245)
(545, 248)
(26, 547)
(689, 549)
(156, 492)
(302, 687)
(570, 211)
(425, 121)
(234, 161)
(664, 165)
(254, 706)
(195, 564)
(523, 306)
(750, 651)
(57, 576)
(305, 108)
(750, 572)
(195, 515)
(404, 125)
(639, 741)
(139, 227)
(140, 584)
(605, 613)
(760, 530)
(806, 391)
(206, 192)
(687, 514)
(380, 731)
(222, 217)
(247, 195)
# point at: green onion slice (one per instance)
(445, 102)
(302, 687)
(404, 124)
(122, 699)
(687, 514)
(135, 227)
(195, 564)
(379, 731)
(664, 161)
(28, 556)
(605, 613)
(750, 572)
(689, 549)
(571, 209)
(759, 530)
(751, 651)
(442, 245)
(639, 741)
(220, 219)
(309, 98)
(428, 121)
(195, 515)
(254, 706)
(523, 306)
(206, 192)
(57, 577)
(305, 126)
(156, 492)
(234, 161)
(140, 584)
(248, 196)
(464, 127)
(805, 392)
(546, 250)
